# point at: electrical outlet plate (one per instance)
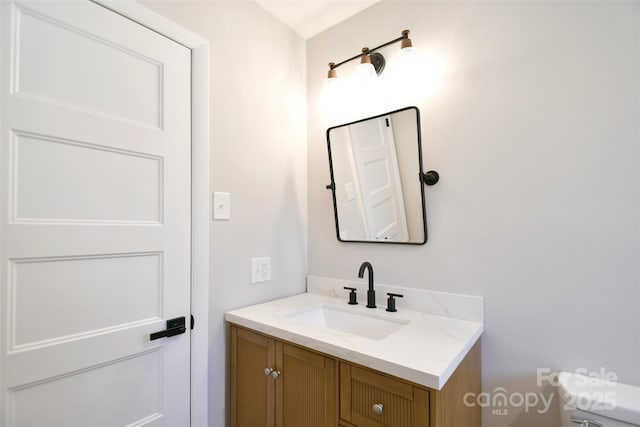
(260, 269)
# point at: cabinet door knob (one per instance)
(267, 371)
(378, 408)
(275, 374)
(585, 422)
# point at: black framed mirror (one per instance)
(377, 180)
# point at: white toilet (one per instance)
(590, 402)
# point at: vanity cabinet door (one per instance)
(252, 392)
(298, 388)
(369, 399)
(306, 392)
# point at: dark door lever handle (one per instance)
(174, 327)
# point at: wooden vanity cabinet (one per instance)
(252, 393)
(405, 404)
(299, 388)
(315, 390)
(371, 399)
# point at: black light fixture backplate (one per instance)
(378, 62)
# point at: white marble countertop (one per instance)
(426, 351)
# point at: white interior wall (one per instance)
(258, 154)
(535, 134)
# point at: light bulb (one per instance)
(407, 58)
(406, 51)
(332, 100)
(365, 72)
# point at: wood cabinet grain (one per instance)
(300, 390)
(311, 389)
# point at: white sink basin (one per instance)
(352, 322)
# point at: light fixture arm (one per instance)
(404, 36)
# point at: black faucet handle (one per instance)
(353, 297)
(391, 302)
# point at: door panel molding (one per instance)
(200, 206)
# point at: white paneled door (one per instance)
(95, 219)
(376, 167)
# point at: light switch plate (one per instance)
(221, 206)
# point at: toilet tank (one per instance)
(597, 402)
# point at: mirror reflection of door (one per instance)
(375, 167)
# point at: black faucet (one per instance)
(371, 294)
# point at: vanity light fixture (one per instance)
(406, 47)
(366, 71)
(370, 60)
